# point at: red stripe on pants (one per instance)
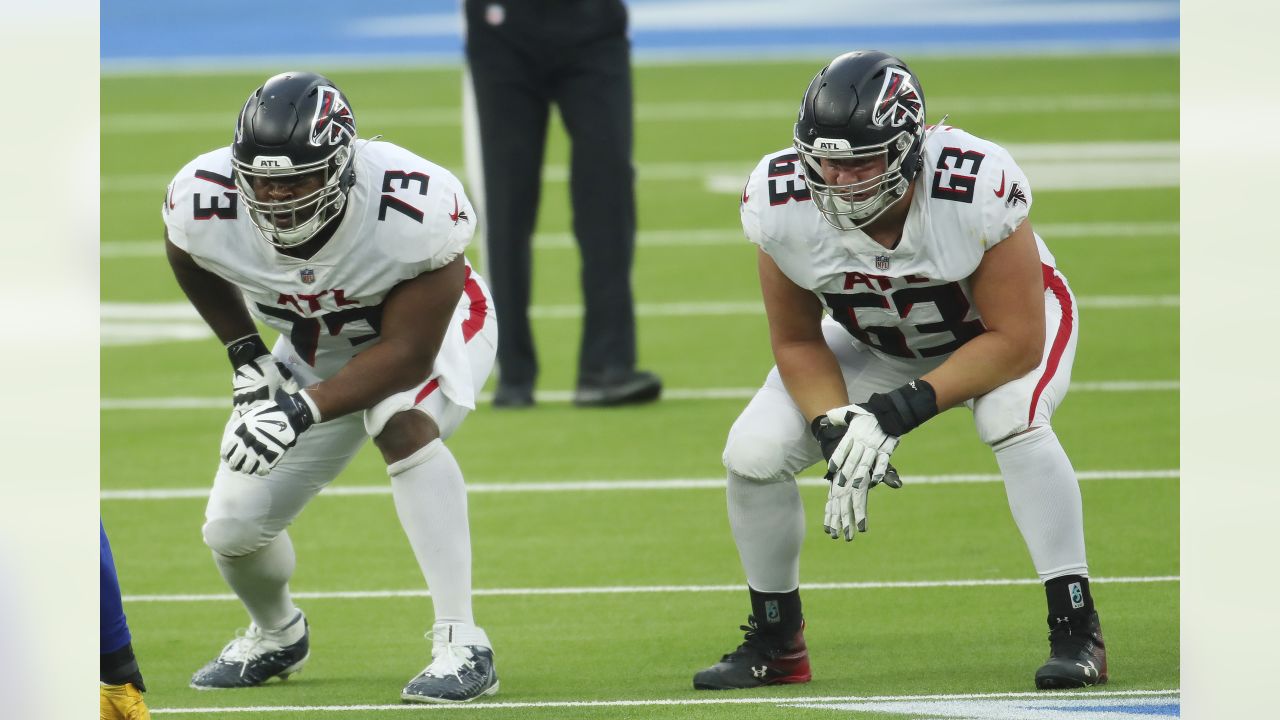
(472, 324)
(1053, 283)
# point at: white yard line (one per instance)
(647, 589)
(714, 699)
(183, 311)
(643, 484)
(152, 123)
(702, 237)
(151, 323)
(1061, 166)
(565, 396)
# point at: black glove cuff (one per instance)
(815, 426)
(296, 409)
(827, 435)
(246, 350)
(903, 409)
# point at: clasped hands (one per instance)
(857, 450)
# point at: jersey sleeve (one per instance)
(750, 207)
(176, 206)
(1006, 197)
(424, 234)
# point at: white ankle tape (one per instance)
(459, 634)
(423, 454)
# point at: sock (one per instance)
(431, 501)
(777, 614)
(261, 581)
(1069, 597)
(119, 667)
(767, 520)
(1044, 497)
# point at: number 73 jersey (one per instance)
(912, 301)
(404, 216)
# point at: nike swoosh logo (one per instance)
(1000, 192)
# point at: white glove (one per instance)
(257, 381)
(255, 443)
(859, 463)
(847, 505)
(864, 450)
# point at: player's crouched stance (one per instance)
(353, 251)
(916, 242)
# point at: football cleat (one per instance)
(1077, 654)
(461, 667)
(253, 658)
(121, 702)
(759, 660)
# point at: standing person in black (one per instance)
(523, 56)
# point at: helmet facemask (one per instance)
(285, 223)
(837, 203)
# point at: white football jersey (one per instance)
(913, 301)
(404, 216)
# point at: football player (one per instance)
(120, 684)
(901, 278)
(352, 250)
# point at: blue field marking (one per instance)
(1158, 709)
(149, 35)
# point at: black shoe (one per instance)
(252, 659)
(759, 660)
(1077, 654)
(622, 387)
(513, 396)
(458, 673)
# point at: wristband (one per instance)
(903, 409)
(299, 408)
(246, 350)
(827, 435)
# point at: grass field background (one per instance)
(594, 593)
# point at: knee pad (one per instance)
(423, 454)
(233, 537)
(1031, 434)
(754, 458)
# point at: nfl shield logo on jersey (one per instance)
(882, 262)
(308, 275)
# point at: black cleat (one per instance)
(617, 387)
(759, 660)
(458, 672)
(468, 676)
(1077, 654)
(252, 659)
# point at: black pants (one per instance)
(573, 53)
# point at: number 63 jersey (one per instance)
(404, 216)
(912, 302)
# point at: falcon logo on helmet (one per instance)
(899, 101)
(333, 121)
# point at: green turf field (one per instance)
(603, 598)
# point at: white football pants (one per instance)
(246, 515)
(770, 442)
